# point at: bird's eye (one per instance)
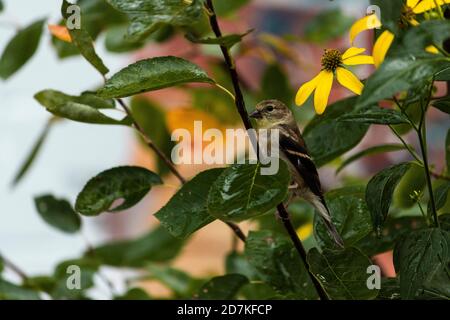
(270, 108)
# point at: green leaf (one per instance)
(390, 289)
(84, 108)
(153, 74)
(442, 104)
(327, 25)
(152, 120)
(225, 8)
(227, 41)
(350, 216)
(375, 115)
(327, 138)
(181, 284)
(83, 41)
(340, 279)
(275, 84)
(116, 41)
(278, 264)
(400, 74)
(58, 213)
(419, 257)
(10, 291)
(26, 165)
(222, 288)
(186, 211)
(147, 16)
(393, 230)
(440, 196)
(134, 294)
(20, 49)
(384, 148)
(1, 6)
(128, 183)
(379, 193)
(155, 246)
(242, 192)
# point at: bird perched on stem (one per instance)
(273, 114)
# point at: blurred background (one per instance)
(75, 152)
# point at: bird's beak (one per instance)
(256, 114)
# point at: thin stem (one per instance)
(13, 267)
(226, 91)
(238, 232)
(422, 135)
(240, 105)
(407, 146)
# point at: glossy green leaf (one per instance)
(227, 41)
(342, 280)
(400, 74)
(152, 120)
(413, 182)
(84, 43)
(222, 288)
(385, 148)
(155, 246)
(26, 165)
(242, 192)
(11, 291)
(328, 138)
(442, 104)
(393, 230)
(419, 257)
(278, 264)
(349, 214)
(20, 49)
(375, 115)
(116, 40)
(390, 289)
(2, 7)
(327, 25)
(379, 193)
(440, 196)
(128, 183)
(153, 74)
(179, 282)
(147, 16)
(186, 211)
(84, 108)
(225, 8)
(134, 294)
(58, 213)
(2, 264)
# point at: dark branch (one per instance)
(240, 105)
(13, 267)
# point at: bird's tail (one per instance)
(326, 217)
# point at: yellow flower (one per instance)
(333, 63)
(408, 18)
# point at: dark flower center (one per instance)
(406, 16)
(331, 60)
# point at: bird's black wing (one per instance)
(299, 157)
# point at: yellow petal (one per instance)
(351, 52)
(412, 3)
(432, 49)
(366, 23)
(305, 91)
(425, 5)
(363, 59)
(324, 84)
(382, 46)
(413, 22)
(60, 32)
(305, 231)
(349, 80)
